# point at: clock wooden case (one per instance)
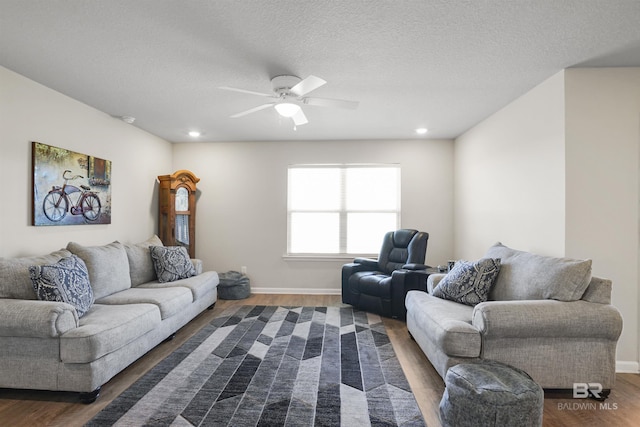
(177, 210)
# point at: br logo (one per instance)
(584, 390)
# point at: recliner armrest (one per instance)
(348, 270)
(403, 281)
(415, 267)
(369, 263)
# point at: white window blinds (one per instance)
(341, 209)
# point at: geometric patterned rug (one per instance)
(274, 366)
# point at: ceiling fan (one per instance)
(289, 94)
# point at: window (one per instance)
(341, 209)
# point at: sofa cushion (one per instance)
(469, 282)
(15, 281)
(170, 301)
(199, 285)
(105, 329)
(448, 323)
(108, 267)
(141, 267)
(65, 281)
(527, 276)
(171, 263)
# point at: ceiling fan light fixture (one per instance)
(289, 94)
(287, 109)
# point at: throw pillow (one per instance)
(469, 282)
(65, 281)
(528, 276)
(108, 267)
(171, 263)
(141, 267)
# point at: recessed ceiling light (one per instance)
(128, 119)
(194, 134)
(421, 131)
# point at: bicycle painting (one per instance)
(70, 188)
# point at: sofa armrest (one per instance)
(197, 264)
(547, 318)
(38, 319)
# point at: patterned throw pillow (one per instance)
(171, 263)
(469, 282)
(65, 281)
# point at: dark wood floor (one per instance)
(39, 408)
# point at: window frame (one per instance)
(342, 211)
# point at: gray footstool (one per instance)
(490, 393)
(233, 285)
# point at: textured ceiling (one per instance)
(442, 64)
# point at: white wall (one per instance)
(603, 164)
(509, 177)
(32, 112)
(242, 206)
(557, 172)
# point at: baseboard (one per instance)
(298, 291)
(627, 367)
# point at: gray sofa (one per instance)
(46, 345)
(547, 316)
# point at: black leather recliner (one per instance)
(380, 285)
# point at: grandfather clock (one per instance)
(177, 214)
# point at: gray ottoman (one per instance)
(490, 393)
(233, 285)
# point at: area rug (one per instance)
(274, 366)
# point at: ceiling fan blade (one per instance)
(250, 92)
(252, 110)
(328, 102)
(307, 85)
(299, 118)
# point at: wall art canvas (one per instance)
(70, 188)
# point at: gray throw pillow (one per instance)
(171, 263)
(141, 267)
(528, 276)
(65, 281)
(469, 282)
(108, 267)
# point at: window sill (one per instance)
(326, 258)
